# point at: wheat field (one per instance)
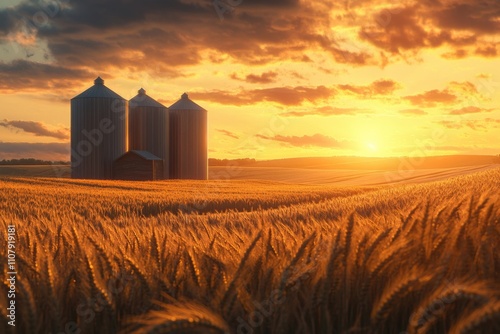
(253, 257)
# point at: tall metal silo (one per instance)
(99, 120)
(149, 127)
(188, 140)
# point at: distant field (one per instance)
(36, 171)
(338, 171)
(342, 177)
(244, 256)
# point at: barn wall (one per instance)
(133, 167)
(148, 131)
(159, 170)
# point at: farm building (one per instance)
(99, 119)
(140, 139)
(148, 128)
(188, 140)
(138, 166)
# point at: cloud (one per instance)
(413, 112)
(316, 140)
(379, 87)
(406, 28)
(401, 31)
(432, 98)
(456, 54)
(264, 78)
(469, 110)
(228, 133)
(480, 17)
(26, 75)
(325, 111)
(168, 38)
(476, 124)
(45, 151)
(38, 129)
(489, 51)
(288, 96)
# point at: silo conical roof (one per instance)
(185, 104)
(99, 90)
(144, 100)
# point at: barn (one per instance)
(138, 166)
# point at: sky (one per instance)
(282, 78)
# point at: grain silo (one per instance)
(148, 127)
(188, 140)
(99, 119)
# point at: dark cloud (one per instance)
(25, 75)
(165, 38)
(288, 96)
(413, 112)
(316, 140)
(432, 98)
(45, 151)
(480, 17)
(264, 78)
(228, 133)
(401, 31)
(431, 24)
(325, 111)
(36, 128)
(489, 51)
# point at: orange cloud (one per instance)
(289, 96)
(413, 112)
(379, 87)
(316, 140)
(469, 110)
(432, 98)
(228, 133)
(325, 111)
(264, 78)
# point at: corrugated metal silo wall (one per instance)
(188, 144)
(99, 128)
(148, 131)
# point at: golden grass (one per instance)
(254, 257)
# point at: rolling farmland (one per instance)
(247, 256)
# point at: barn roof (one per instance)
(144, 100)
(185, 104)
(143, 154)
(99, 90)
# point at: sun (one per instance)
(372, 147)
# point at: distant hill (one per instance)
(363, 163)
(31, 162)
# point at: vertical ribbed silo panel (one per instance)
(94, 156)
(147, 130)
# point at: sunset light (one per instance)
(250, 166)
(325, 69)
